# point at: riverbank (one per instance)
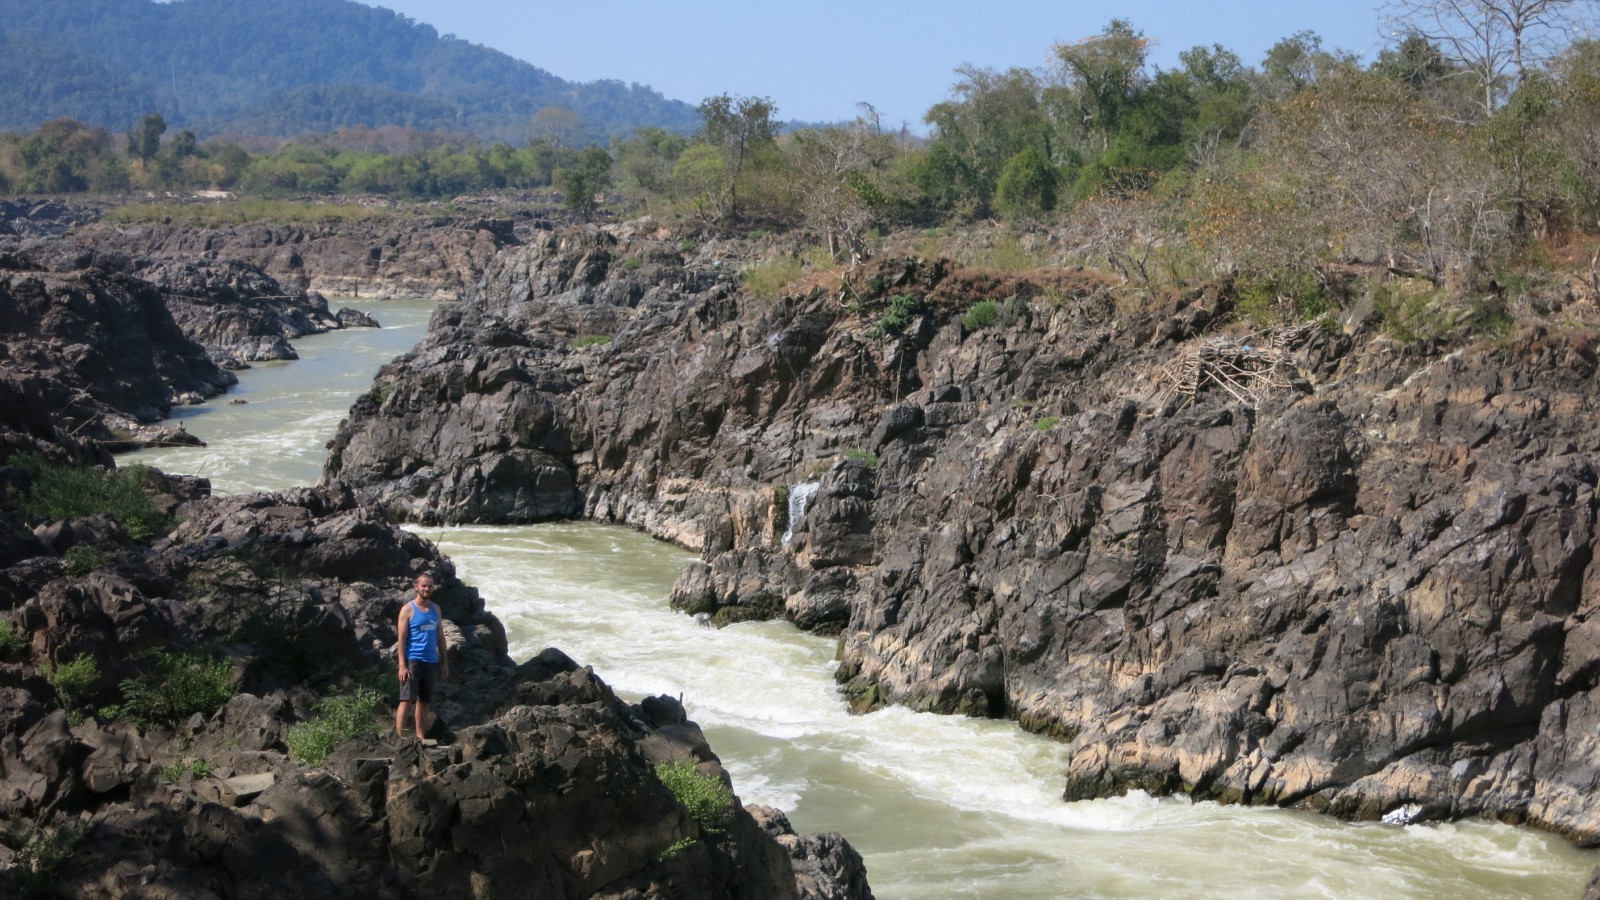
(1267, 588)
(195, 693)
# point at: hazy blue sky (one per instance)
(817, 59)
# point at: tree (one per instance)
(991, 117)
(836, 172)
(183, 144)
(560, 129)
(1027, 185)
(1298, 61)
(1578, 71)
(1496, 40)
(583, 181)
(1102, 73)
(646, 160)
(739, 127)
(145, 141)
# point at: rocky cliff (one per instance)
(105, 358)
(119, 341)
(116, 782)
(1313, 566)
(541, 780)
(366, 258)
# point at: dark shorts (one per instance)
(424, 676)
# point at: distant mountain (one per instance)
(282, 67)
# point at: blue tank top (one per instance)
(422, 637)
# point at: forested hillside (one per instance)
(283, 67)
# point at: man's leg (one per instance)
(400, 718)
(422, 719)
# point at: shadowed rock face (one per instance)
(541, 781)
(1370, 589)
(105, 342)
(117, 342)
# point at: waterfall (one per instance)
(799, 496)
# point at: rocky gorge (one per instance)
(537, 777)
(1310, 566)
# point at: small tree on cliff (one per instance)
(583, 181)
(740, 127)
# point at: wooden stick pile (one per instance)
(1248, 369)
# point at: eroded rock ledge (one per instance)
(1371, 591)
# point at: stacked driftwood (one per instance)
(1249, 368)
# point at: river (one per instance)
(940, 807)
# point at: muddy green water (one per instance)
(940, 807)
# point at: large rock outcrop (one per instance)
(376, 257)
(541, 781)
(103, 344)
(1352, 576)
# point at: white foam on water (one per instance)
(944, 806)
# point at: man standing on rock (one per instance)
(424, 656)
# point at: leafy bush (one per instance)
(34, 870)
(11, 641)
(591, 340)
(983, 314)
(707, 799)
(82, 560)
(176, 687)
(339, 718)
(73, 681)
(72, 492)
(199, 768)
(901, 309)
(1279, 299)
(1046, 423)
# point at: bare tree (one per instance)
(1496, 40)
(833, 179)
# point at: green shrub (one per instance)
(177, 686)
(902, 308)
(73, 492)
(591, 340)
(11, 640)
(1284, 298)
(1046, 423)
(82, 560)
(1411, 310)
(633, 262)
(73, 682)
(983, 314)
(34, 872)
(199, 768)
(707, 799)
(339, 718)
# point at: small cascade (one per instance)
(799, 496)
